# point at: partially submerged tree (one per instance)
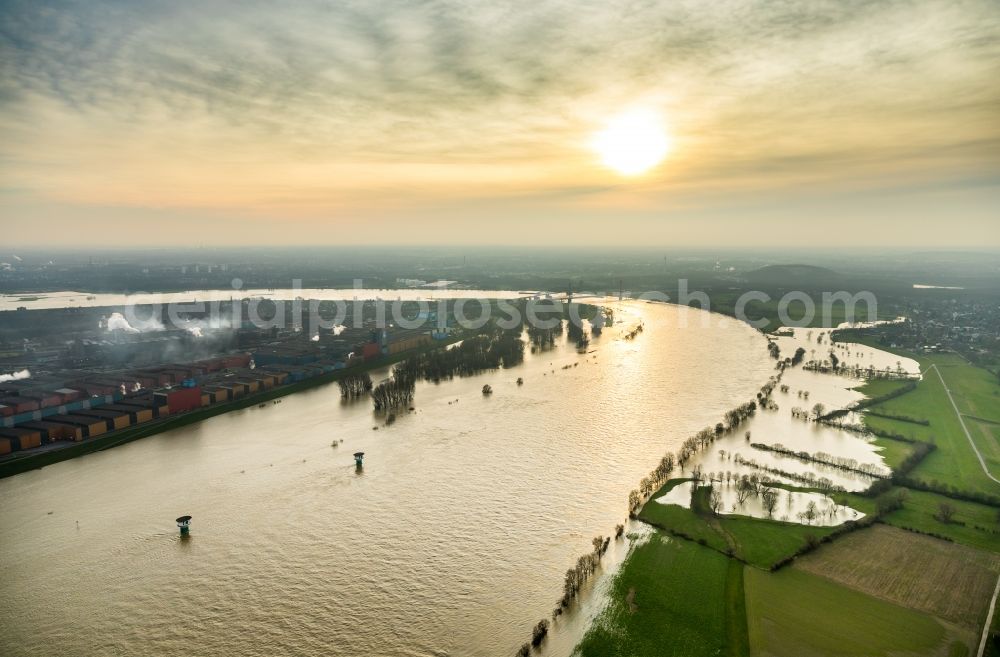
(769, 499)
(811, 512)
(715, 501)
(539, 631)
(355, 385)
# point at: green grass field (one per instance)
(976, 391)
(975, 525)
(792, 613)
(764, 543)
(894, 451)
(680, 521)
(670, 598)
(879, 387)
(953, 463)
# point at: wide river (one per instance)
(452, 541)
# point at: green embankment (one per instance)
(671, 598)
(792, 613)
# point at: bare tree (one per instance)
(811, 512)
(715, 501)
(769, 498)
(743, 490)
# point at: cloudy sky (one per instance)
(473, 121)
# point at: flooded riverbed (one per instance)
(452, 541)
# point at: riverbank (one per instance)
(25, 461)
(952, 538)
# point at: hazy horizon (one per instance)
(446, 123)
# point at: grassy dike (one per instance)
(28, 461)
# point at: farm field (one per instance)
(949, 581)
(668, 599)
(794, 613)
(974, 525)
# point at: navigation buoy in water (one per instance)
(359, 458)
(184, 523)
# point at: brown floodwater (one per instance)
(453, 540)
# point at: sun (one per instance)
(632, 142)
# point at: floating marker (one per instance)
(184, 523)
(359, 458)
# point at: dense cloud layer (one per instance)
(329, 111)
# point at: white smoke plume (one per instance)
(117, 322)
(15, 376)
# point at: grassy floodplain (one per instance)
(671, 598)
(912, 583)
(953, 464)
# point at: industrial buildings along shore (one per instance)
(62, 407)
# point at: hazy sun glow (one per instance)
(633, 142)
